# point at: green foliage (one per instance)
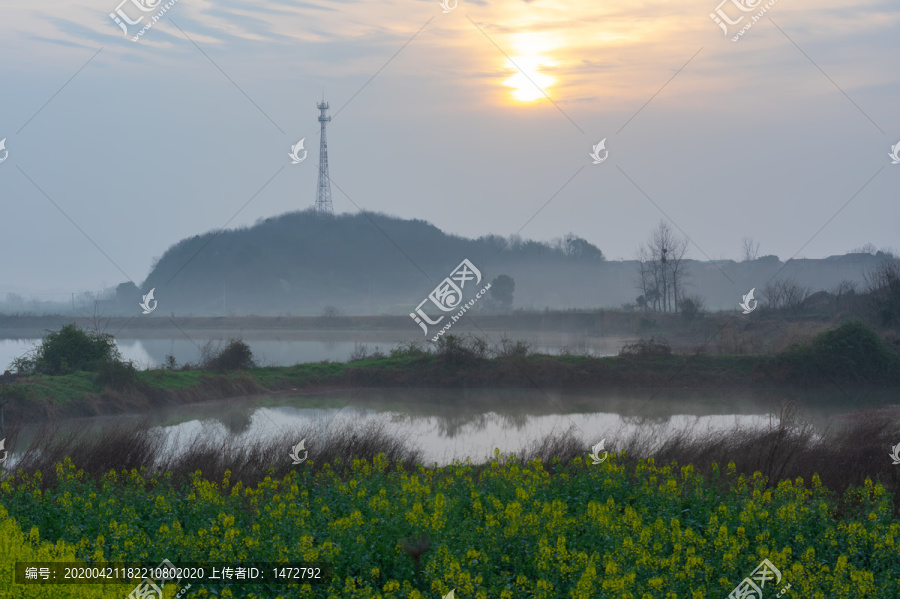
(622, 529)
(70, 349)
(409, 349)
(116, 374)
(237, 355)
(852, 351)
(15, 546)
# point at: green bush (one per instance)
(116, 374)
(68, 350)
(852, 351)
(409, 349)
(237, 355)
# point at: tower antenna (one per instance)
(323, 191)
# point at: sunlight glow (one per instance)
(528, 82)
(529, 57)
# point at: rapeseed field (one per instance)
(623, 529)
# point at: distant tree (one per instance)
(785, 294)
(127, 296)
(330, 311)
(572, 245)
(502, 289)
(868, 248)
(661, 268)
(750, 249)
(883, 290)
(692, 307)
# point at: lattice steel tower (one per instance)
(323, 192)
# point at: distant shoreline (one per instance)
(42, 398)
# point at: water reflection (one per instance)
(451, 424)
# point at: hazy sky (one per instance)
(117, 149)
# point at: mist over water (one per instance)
(456, 424)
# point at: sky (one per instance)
(478, 117)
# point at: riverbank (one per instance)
(851, 356)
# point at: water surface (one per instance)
(455, 424)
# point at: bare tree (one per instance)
(750, 249)
(669, 250)
(677, 268)
(844, 294)
(868, 248)
(99, 321)
(785, 294)
(661, 271)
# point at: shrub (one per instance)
(655, 347)
(68, 350)
(116, 373)
(237, 355)
(360, 352)
(409, 349)
(454, 350)
(692, 307)
(518, 350)
(852, 351)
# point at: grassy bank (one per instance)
(851, 355)
(692, 522)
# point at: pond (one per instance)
(455, 424)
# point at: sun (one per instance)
(528, 82)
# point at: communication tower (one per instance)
(323, 192)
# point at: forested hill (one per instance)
(301, 264)
(363, 264)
